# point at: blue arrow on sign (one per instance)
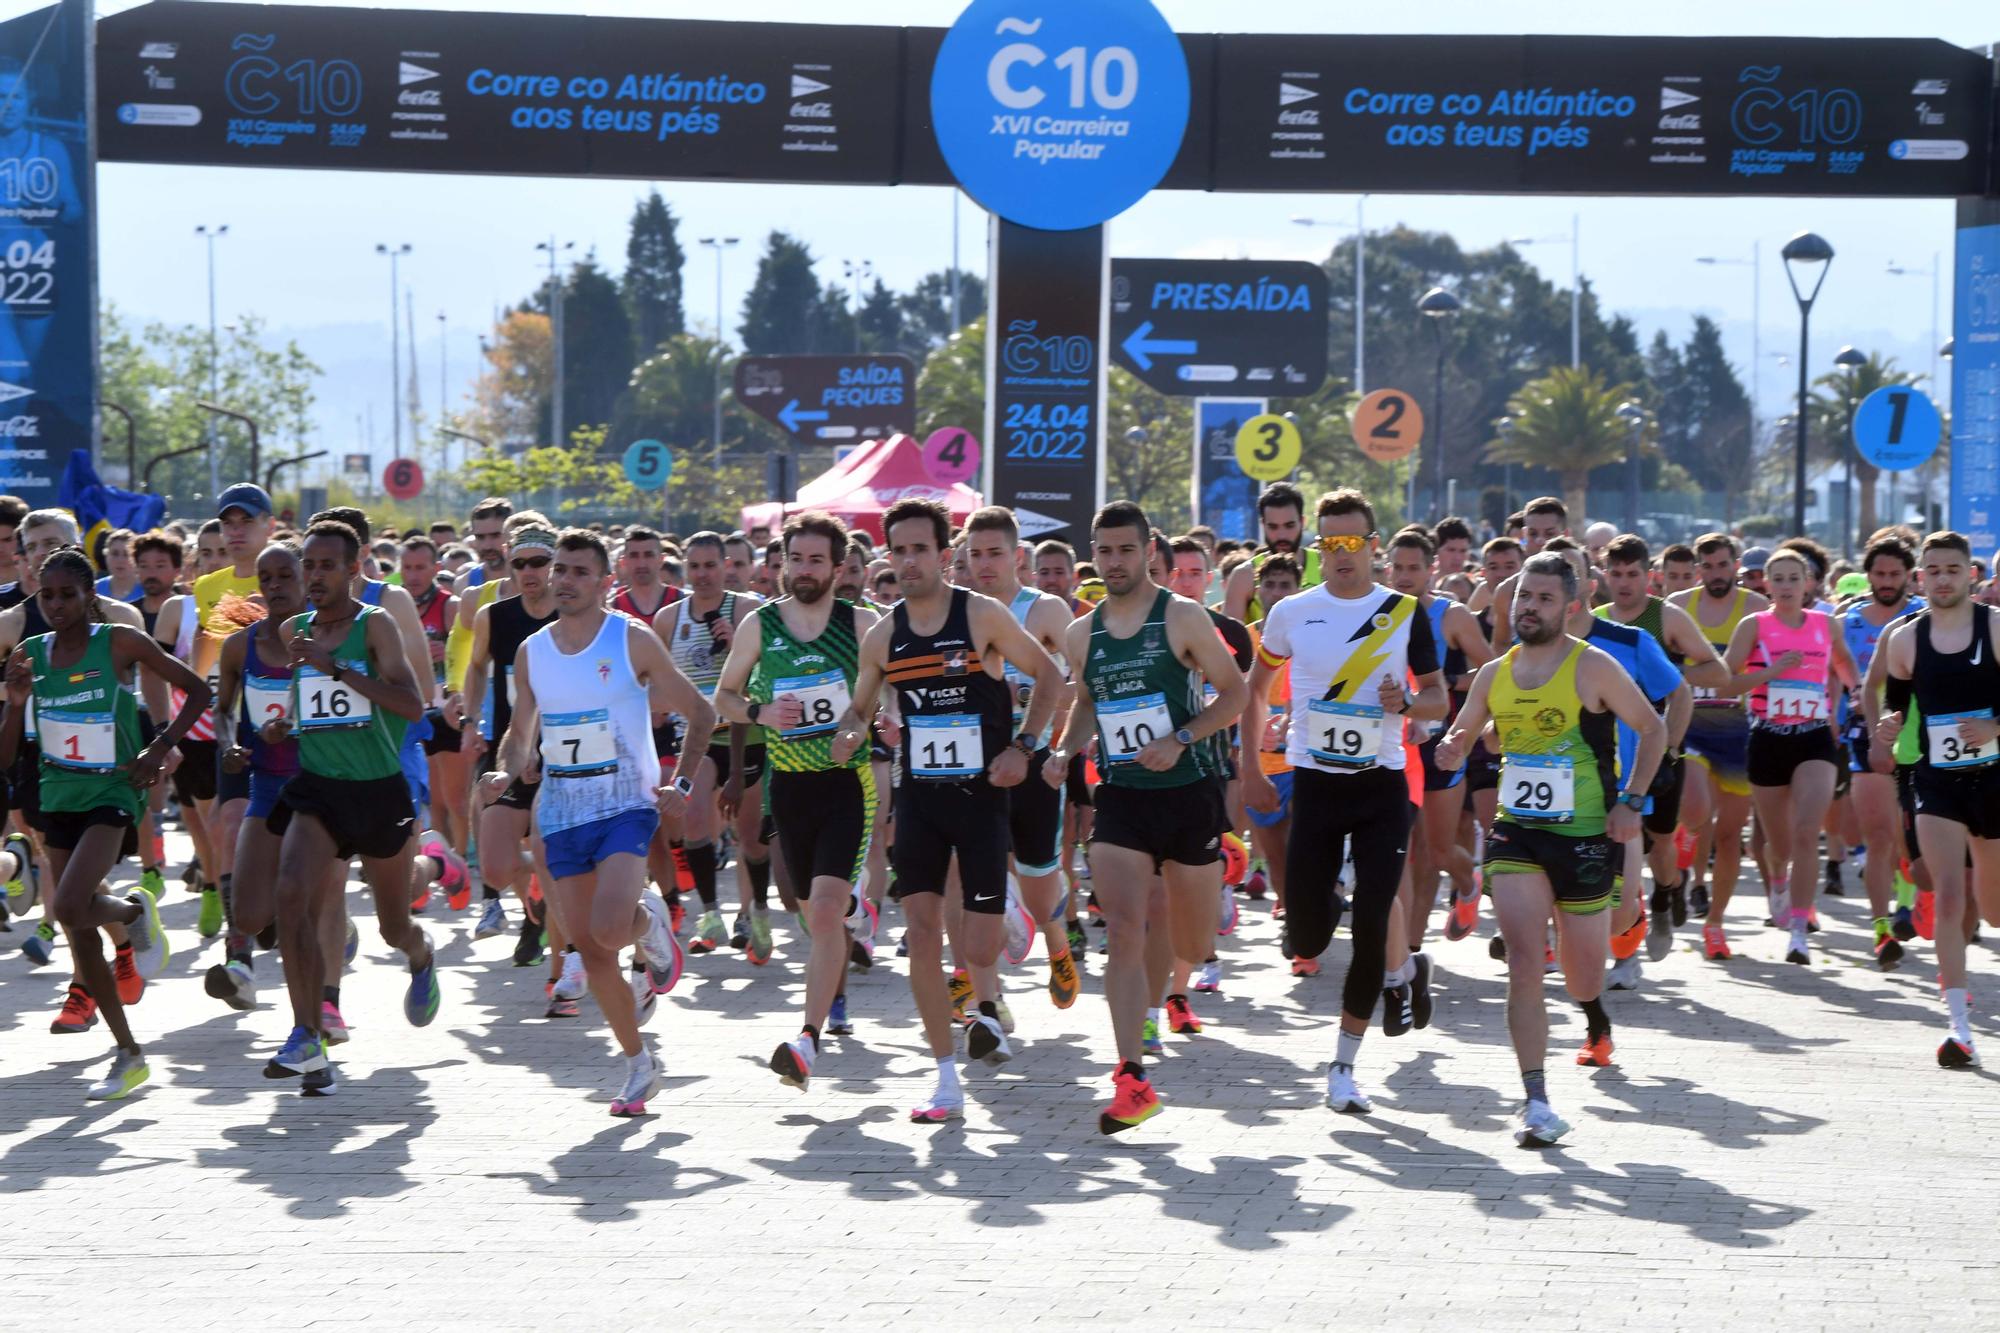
(791, 416)
(1142, 348)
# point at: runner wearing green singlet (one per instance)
(353, 695)
(93, 776)
(791, 670)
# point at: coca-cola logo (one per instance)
(419, 97)
(21, 428)
(888, 495)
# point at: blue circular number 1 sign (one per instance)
(1059, 114)
(648, 464)
(1897, 427)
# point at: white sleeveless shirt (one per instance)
(598, 757)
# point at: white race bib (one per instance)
(578, 745)
(1948, 750)
(824, 698)
(1539, 789)
(326, 704)
(87, 741)
(1127, 726)
(944, 745)
(1791, 701)
(268, 699)
(1344, 735)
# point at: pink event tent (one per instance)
(861, 487)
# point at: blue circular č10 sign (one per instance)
(1897, 427)
(648, 464)
(1059, 114)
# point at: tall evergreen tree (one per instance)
(779, 313)
(881, 321)
(652, 288)
(597, 345)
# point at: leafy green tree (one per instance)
(654, 261)
(927, 310)
(1149, 448)
(951, 386)
(1567, 421)
(880, 320)
(1830, 429)
(780, 311)
(671, 397)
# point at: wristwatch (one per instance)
(752, 711)
(1025, 743)
(1185, 737)
(1635, 801)
(684, 786)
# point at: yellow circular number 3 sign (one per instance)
(1268, 447)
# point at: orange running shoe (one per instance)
(1181, 1020)
(1713, 946)
(1133, 1101)
(1925, 915)
(960, 987)
(1683, 850)
(1305, 967)
(1463, 915)
(79, 1011)
(126, 973)
(683, 877)
(1596, 1051)
(1627, 942)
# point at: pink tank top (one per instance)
(1799, 696)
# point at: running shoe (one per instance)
(1924, 917)
(1344, 1095)
(792, 1062)
(1956, 1054)
(1006, 1014)
(1496, 948)
(1833, 888)
(558, 1007)
(986, 1040)
(1659, 930)
(903, 945)
(645, 1000)
(1208, 979)
(757, 948)
(1679, 906)
(209, 920)
(147, 935)
(660, 949)
(1625, 943)
(1181, 1020)
(492, 920)
(1623, 974)
(1064, 984)
(231, 982)
(676, 911)
(861, 927)
(943, 1104)
(1713, 946)
(1698, 899)
(531, 947)
(836, 1018)
(78, 1013)
(1225, 923)
(1258, 884)
(1463, 914)
(1397, 1017)
(320, 1082)
(1420, 990)
(131, 986)
(642, 1080)
(1800, 950)
(150, 879)
(1020, 940)
(453, 877)
(1305, 967)
(1149, 1039)
(302, 1053)
(572, 984)
(739, 935)
(1133, 1102)
(421, 1000)
(1079, 943)
(1888, 951)
(353, 942)
(1596, 1051)
(803, 926)
(420, 898)
(1903, 925)
(25, 888)
(960, 990)
(1540, 1127)
(333, 1027)
(128, 1070)
(709, 932)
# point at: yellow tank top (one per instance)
(1552, 747)
(1719, 636)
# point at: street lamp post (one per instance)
(1575, 280)
(857, 271)
(1807, 252)
(1849, 360)
(1932, 273)
(1504, 427)
(1755, 263)
(718, 244)
(1634, 417)
(1437, 305)
(395, 253)
(1360, 284)
(212, 235)
(555, 253)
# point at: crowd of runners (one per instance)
(567, 734)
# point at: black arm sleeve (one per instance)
(1898, 694)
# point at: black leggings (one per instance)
(1372, 808)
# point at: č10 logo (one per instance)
(1763, 112)
(319, 87)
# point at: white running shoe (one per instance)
(1020, 928)
(492, 920)
(1624, 974)
(644, 998)
(986, 1040)
(660, 949)
(642, 1080)
(1540, 1126)
(1800, 950)
(1209, 978)
(943, 1104)
(792, 1062)
(1343, 1094)
(571, 985)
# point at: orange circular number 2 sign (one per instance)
(1388, 425)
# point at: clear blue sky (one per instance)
(301, 244)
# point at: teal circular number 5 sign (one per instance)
(648, 464)
(1897, 427)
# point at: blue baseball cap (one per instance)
(245, 495)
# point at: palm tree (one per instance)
(1567, 421)
(1831, 413)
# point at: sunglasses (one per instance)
(1348, 542)
(530, 562)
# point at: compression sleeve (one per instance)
(457, 655)
(1898, 694)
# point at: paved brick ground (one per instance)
(1776, 1144)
